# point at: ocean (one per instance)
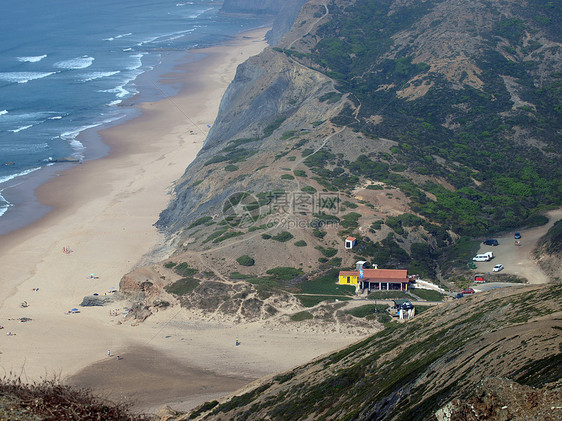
(68, 68)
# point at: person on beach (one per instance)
(118, 357)
(109, 353)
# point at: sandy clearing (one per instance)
(519, 260)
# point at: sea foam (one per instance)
(19, 129)
(118, 36)
(23, 77)
(75, 63)
(98, 75)
(19, 174)
(32, 59)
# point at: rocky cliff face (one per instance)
(423, 121)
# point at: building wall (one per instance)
(348, 280)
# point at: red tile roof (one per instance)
(380, 275)
(350, 239)
(349, 273)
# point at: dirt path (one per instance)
(518, 260)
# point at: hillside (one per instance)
(404, 124)
(503, 345)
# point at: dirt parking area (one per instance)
(518, 259)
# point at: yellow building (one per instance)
(376, 279)
(348, 277)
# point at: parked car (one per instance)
(517, 235)
(491, 242)
(498, 267)
(459, 295)
(479, 279)
(468, 291)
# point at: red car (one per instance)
(468, 291)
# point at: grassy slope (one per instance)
(410, 370)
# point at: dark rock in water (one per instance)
(96, 300)
(66, 159)
(9, 163)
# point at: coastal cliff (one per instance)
(422, 127)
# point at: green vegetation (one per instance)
(501, 183)
(553, 239)
(428, 294)
(227, 235)
(283, 236)
(388, 295)
(182, 286)
(300, 173)
(301, 316)
(416, 356)
(309, 189)
(326, 285)
(350, 205)
(367, 310)
(284, 273)
(183, 269)
(215, 234)
(329, 252)
(287, 177)
(312, 300)
(331, 97)
(300, 243)
(200, 221)
(231, 168)
(245, 260)
(268, 131)
(350, 220)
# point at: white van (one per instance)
(486, 257)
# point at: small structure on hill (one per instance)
(376, 279)
(362, 264)
(350, 242)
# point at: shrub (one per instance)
(282, 236)
(350, 220)
(183, 269)
(299, 173)
(284, 273)
(268, 131)
(266, 236)
(231, 168)
(245, 260)
(300, 243)
(329, 252)
(200, 221)
(318, 233)
(309, 189)
(182, 286)
(301, 316)
(287, 177)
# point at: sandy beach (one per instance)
(102, 224)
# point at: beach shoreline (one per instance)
(103, 214)
(101, 227)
